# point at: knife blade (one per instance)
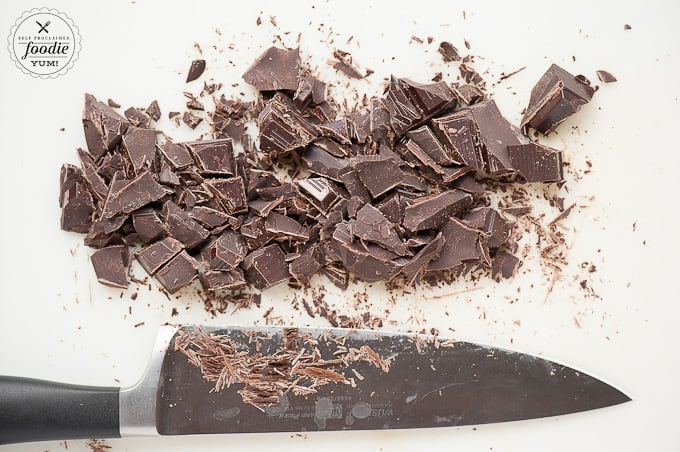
(276, 379)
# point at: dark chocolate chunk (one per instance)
(432, 211)
(182, 227)
(303, 95)
(306, 265)
(282, 129)
(104, 128)
(404, 115)
(226, 252)
(112, 103)
(139, 146)
(153, 110)
(195, 70)
(448, 52)
(470, 75)
(191, 119)
(266, 267)
(275, 69)
(378, 174)
(469, 94)
(504, 266)
(148, 224)
(177, 154)
(337, 274)
(133, 194)
(94, 182)
(468, 183)
(230, 194)
(418, 264)
(223, 280)
(263, 207)
(214, 157)
(353, 185)
(606, 77)
(495, 228)
(255, 234)
(372, 226)
(69, 176)
(320, 192)
(429, 98)
(392, 208)
(208, 217)
(556, 96)
(77, 208)
(458, 134)
(369, 262)
(425, 139)
(228, 128)
(111, 265)
(321, 162)
(137, 117)
(167, 176)
(178, 273)
(282, 226)
(461, 244)
(536, 163)
(154, 256)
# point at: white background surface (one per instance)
(56, 322)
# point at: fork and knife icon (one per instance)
(43, 27)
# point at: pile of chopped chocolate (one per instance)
(394, 192)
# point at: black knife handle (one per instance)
(38, 410)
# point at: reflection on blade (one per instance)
(429, 383)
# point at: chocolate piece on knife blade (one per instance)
(556, 96)
(111, 264)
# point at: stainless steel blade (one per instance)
(430, 383)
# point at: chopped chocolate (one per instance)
(154, 256)
(182, 227)
(392, 208)
(112, 103)
(491, 223)
(282, 129)
(266, 267)
(458, 134)
(223, 280)
(536, 163)
(214, 157)
(429, 98)
(418, 264)
(226, 252)
(153, 110)
(179, 272)
(369, 262)
(430, 145)
(448, 52)
(306, 265)
(430, 212)
(275, 69)
(372, 226)
(230, 194)
(167, 176)
(137, 117)
(605, 77)
(344, 64)
(139, 146)
(504, 266)
(208, 217)
(177, 154)
(282, 226)
(468, 94)
(111, 264)
(337, 274)
(195, 70)
(255, 234)
(627, 27)
(77, 206)
(556, 96)
(191, 119)
(403, 114)
(320, 192)
(461, 244)
(94, 182)
(132, 195)
(104, 128)
(378, 174)
(148, 224)
(323, 163)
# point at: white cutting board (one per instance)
(57, 322)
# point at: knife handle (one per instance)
(38, 410)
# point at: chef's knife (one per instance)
(273, 379)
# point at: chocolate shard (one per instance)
(69, 176)
(191, 119)
(214, 157)
(182, 227)
(491, 223)
(226, 252)
(306, 265)
(176, 154)
(94, 182)
(430, 212)
(323, 163)
(133, 194)
(266, 267)
(458, 133)
(380, 122)
(230, 194)
(320, 192)
(153, 110)
(372, 226)
(468, 94)
(378, 174)
(139, 146)
(504, 266)
(404, 115)
(148, 224)
(426, 140)
(462, 244)
(179, 272)
(208, 217)
(337, 274)
(352, 183)
(254, 233)
(418, 263)
(154, 256)
(285, 227)
(223, 280)
(536, 163)
(392, 208)
(448, 52)
(344, 64)
(606, 77)
(138, 118)
(429, 98)
(556, 96)
(263, 207)
(282, 128)
(369, 263)
(104, 128)
(77, 208)
(195, 70)
(495, 135)
(111, 265)
(167, 176)
(303, 94)
(276, 69)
